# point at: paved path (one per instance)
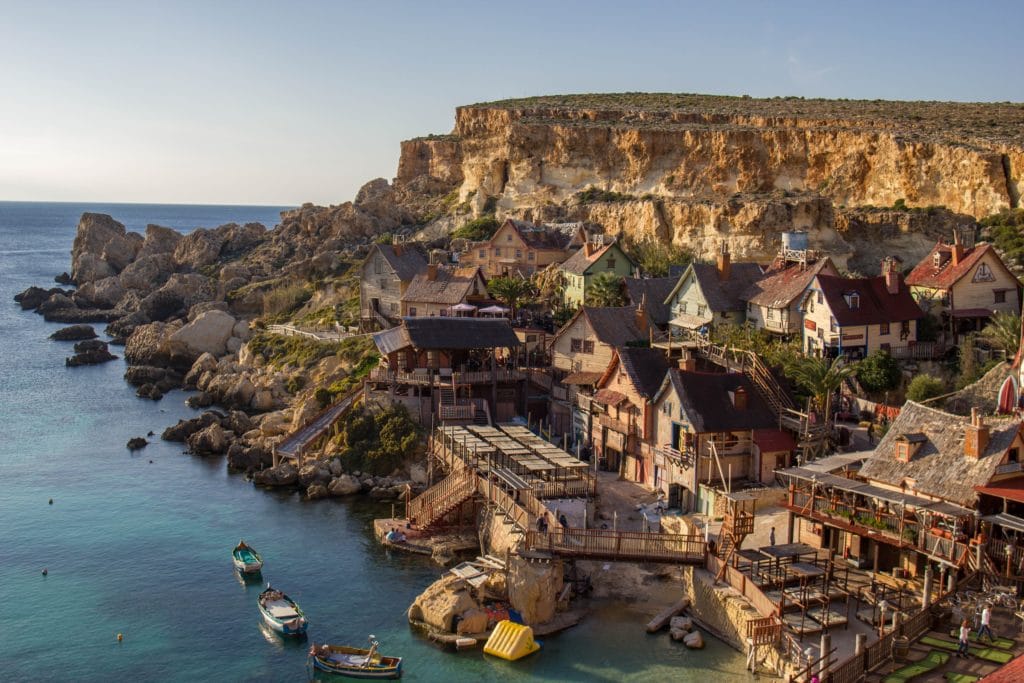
(295, 443)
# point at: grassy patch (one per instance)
(592, 195)
(478, 229)
(279, 350)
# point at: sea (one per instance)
(139, 543)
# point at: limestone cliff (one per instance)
(699, 170)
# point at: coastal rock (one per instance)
(175, 297)
(694, 640)
(284, 474)
(208, 333)
(441, 602)
(681, 623)
(150, 344)
(239, 239)
(74, 314)
(418, 474)
(335, 466)
(345, 485)
(316, 492)
(208, 441)
(275, 424)
(233, 345)
(101, 248)
(74, 333)
(205, 363)
(137, 375)
(150, 391)
(105, 293)
(677, 634)
(199, 248)
(205, 306)
(472, 621)
(239, 422)
(533, 589)
(90, 357)
(314, 473)
(90, 345)
(199, 400)
(242, 458)
(33, 297)
(162, 305)
(63, 279)
(147, 273)
(264, 400)
(90, 267)
(159, 240)
(242, 331)
(137, 443)
(186, 428)
(241, 393)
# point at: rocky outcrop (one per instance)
(533, 589)
(101, 248)
(207, 334)
(211, 440)
(284, 474)
(137, 443)
(90, 356)
(441, 602)
(74, 333)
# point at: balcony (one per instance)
(443, 377)
(618, 425)
(682, 458)
(859, 520)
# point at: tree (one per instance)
(821, 378)
(654, 257)
(878, 372)
(1003, 332)
(511, 291)
(482, 228)
(605, 290)
(924, 387)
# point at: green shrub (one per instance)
(281, 301)
(878, 372)
(924, 387)
(593, 194)
(295, 384)
(279, 350)
(478, 229)
(379, 442)
(654, 257)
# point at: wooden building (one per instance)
(522, 248)
(593, 259)
(437, 289)
(386, 273)
(709, 294)
(774, 300)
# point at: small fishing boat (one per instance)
(355, 662)
(281, 613)
(246, 559)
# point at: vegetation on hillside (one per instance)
(279, 350)
(512, 291)
(654, 258)
(593, 195)
(879, 372)
(478, 229)
(377, 442)
(1003, 332)
(924, 387)
(1006, 231)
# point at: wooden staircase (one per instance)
(738, 524)
(431, 506)
(482, 414)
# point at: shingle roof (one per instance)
(615, 326)
(876, 305)
(705, 397)
(544, 237)
(645, 367)
(722, 295)
(925, 274)
(580, 261)
(939, 468)
(407, 263)
(447, 333)
(782, 284)
(450, 286)
(657, 290)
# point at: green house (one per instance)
(591, 260)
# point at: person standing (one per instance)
(986, 623)
(965, 640)
(771, 536)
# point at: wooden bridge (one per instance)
(295, 445)
(621, 546)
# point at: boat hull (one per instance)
(378, 674)
(246, 560)
(297, 629)
(281, 614)
(382, 668)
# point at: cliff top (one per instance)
(993, 123)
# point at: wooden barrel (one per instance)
(900, 648)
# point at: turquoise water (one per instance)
(140, 544)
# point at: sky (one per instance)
(280, 103)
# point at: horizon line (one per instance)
(141, 203)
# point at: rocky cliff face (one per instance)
(700, 170)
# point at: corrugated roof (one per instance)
(939, 467)
(657, 290)
(782, 284)
(447, 333)
(925, 274)
(706, 398)
(406, 259)
(645, 368)
(449, 287)
(875, 303)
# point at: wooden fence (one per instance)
(619, 545)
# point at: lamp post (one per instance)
(882, 607)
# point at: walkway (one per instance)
(294, 445)
(319, 335)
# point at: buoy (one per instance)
(120, 637)
(45, 572)
(51, 501)
(150, 462)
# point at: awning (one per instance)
(690, 322)
(461, 308)
(494, 310)
(609, 397)
(583, 378)
(773, 440)
(1010, 489)
(1005, 520)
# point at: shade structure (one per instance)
(494, 310)
(462, 308)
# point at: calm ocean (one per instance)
(140, 543)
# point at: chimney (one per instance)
(958, 248)
(688, 363)
(641, 313)
(975, 436)
(397, 247)
(739, 398)
(432, 272)
(724, 265)
(892, 275)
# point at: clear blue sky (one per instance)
(280, 103)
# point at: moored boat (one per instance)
(246, 559)
(281, 613)
(355, 662)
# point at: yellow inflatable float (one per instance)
(511, 641)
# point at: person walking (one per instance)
(986, 623)
(964, 641)
(771, 536)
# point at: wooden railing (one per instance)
(459, 412)
(584, 487)
(619, 545)
(918, 351)
(430, 377)
(764, 631)
(442, 497)
(618, 425)
(764, 605)
(861, 519)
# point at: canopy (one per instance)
(463, 307)
(494, 309)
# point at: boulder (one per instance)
(90, 357)
(418, 474)
(345, 485)
(74, 333)
(205, 363)
(186, 428)
(204, 306)
(239, 422)
(335, 467)
(472, 621)
(241, 392)
(90, 345)
(105, 293)
(101, 240)
(381, 493)
(150, 391)
(275, 424)
(208, 333)
(242, 331)
(681, 623)
(199, 248)
(694, 640)
(33, 297)
(533, 589)
(284, 474)
(137, 375)
(242, 458)
(137, 443)
(441, 602)
(313, 473)
(316, 492)
(199, 400)
(159, 240)
(63, 279)
(151, 344)
(90, 267)
(677, 634)
(147, 273)
(239, 239)
(208, 441)
(233, 345)
(263, 400)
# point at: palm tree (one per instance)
(606, 290)
(511, 291)
(822, 378)
(1003, 332)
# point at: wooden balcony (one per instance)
(431, 377)
(863, 521)
(625, 428)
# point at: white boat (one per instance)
(281, 613)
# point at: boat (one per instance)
(355, 662)
(281, 613)
(246, 559)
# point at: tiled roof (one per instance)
(406, 259)
(657, 290)
(925, 274)
(449, 287)
(447, 333)
(582, 378)
(645, 368)
(706, 399)
(544, 237)
(939, 468)
(722, 295)
(876, 305)
(615, 326)
(782, 284)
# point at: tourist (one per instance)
(986, 623)
(563, 521)
(964, 642)
(771, 536)
(392, 536)
(542, 524)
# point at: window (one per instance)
(1000, 296)
(412, 311)
(682, 307)
(378, 265)
(508, 237)
(832, 324)
(519, 253)
(853, 300)
(497, 251)
(1013, 455)
(483, 253)
(750, 307)
(883, 328)
(771, 314)
(444, 313)
(529, 256)
(903, 452)
(393, 307)
(383, 283)
(432, 359)
(701, 308)
(576, 345)
(821, 297)
(530, 338)
(611, 264)
(588, 346)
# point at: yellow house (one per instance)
(523, 248)
(964, 285)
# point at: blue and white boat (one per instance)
(281, 613)
(246, 559)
